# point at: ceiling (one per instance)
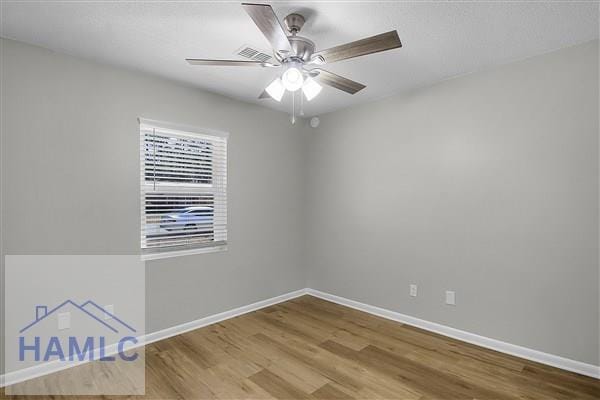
(440, 39)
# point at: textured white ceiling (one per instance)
(441, 39)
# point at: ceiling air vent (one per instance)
(252, 53)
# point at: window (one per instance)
(183, 189)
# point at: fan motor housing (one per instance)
(302, 49)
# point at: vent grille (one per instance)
(262, 57)
(252, 53)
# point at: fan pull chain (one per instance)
(293, 108)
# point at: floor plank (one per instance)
(308, 348)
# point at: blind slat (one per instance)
(183, 189)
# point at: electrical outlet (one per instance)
(413, 290)
(450, 297)
(64, 320)
(109, 309)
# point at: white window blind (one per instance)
(183, 188)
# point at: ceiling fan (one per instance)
(296, 53)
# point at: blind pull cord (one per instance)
(154, 160)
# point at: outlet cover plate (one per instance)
(64, 320)
(109, 309)
(413, 290)
(450, 297)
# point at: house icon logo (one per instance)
(92, 342)
(41, 312)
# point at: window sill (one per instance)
(179, 253)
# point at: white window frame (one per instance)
(179, 130)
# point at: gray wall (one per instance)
(485, 184)
(71, 179)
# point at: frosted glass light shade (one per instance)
(276, 89)
(292, 79)
(311, 88)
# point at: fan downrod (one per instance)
(294, 22)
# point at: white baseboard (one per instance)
(50, 367)
(53, 366)
(493, 344)
(213, 319)
(503, 347)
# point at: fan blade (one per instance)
(265, 19)
(228, 63)
(264, 95)
(370, 45)
(338, 82)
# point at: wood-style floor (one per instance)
(309, 348)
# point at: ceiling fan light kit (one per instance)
(292, 77)
(296, 54)
(276, 89)
(311, 88)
